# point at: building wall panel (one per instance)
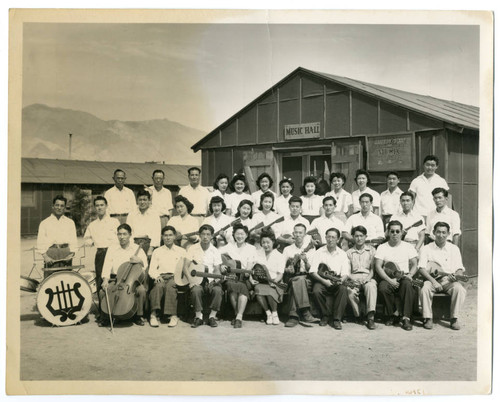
(268, 120)
(454, 158)
(289, 114)
(237, 161)
(469, 244)
(312, 111)
(469, 213)
(337, 115)
(364, 115)
(392, 118)
(205, 179)
(270, 98)
(247, 127)
(421, 122)
(470, 158)
(228, 134)
(312, 86)
(213, 141)
(223, 162)
(332, 87)
(290, 89)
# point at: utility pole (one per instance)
(70, 135)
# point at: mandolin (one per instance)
(328, 274)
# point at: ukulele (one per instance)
(328, 274)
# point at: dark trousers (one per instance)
(167, 291)
(298, 295)
(214, 290)
(100, 255)
(331, 300)
(405, 292)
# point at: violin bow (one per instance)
(109, 311)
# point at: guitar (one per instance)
(237, 220)
(223, 278)
(182, 273)
(183, 241)
(265, 227)
(436, 272)
(328, 274)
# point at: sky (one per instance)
(201, 74)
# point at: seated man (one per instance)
(361, 259)
(161, 270)
(297, 257)
(125, 252)
(207, 256)
(331, 297)
(448, 256)
(404, 256)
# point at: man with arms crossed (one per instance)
(121, 200)
(161, 197)
(198, 195)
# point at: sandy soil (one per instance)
(255, 352)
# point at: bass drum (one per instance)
(64, 298)
(90, 277)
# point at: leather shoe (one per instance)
(407, 326)
(197, 322)
(428, 323)
(371, 323)
(238, 324)
(292, 322)
(233, 321)
(308, 317)
(140, 321)
(454, 324)
(212, 322)
(337, 324)
(324, 321)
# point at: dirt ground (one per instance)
(255, 352)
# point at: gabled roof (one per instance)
(460, 114)
(69, 171)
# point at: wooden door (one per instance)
(347, 157)
(255, 163)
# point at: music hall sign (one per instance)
(302, 131)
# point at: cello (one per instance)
(122, 300)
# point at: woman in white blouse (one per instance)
(239, 192)
(239, 289)
(245, 213)
(264, 183)
(266, 214)
(343, 208)
(311, 202)
(184, 223)
(270, 295)
(217, 219)
(220, 186)
(362, 180)
(281, 204)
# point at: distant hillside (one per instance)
(45, 135)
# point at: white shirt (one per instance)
(355, 198)
(286, 227)
(448, 216)
(274, 262)
(407, 220)
(199, 197)
(266, 219)
(234, 199)
(164, 260)
(161, 200)
(217, 193)
(245, 254)
(102, 232)
(343, 198)
(117, 255)
(311, 205)
(146, 224)
(256, 198)
(322, 224)
(56, 231)
(372, 223)
(400, 254)
(389, 202)
(448, 257)
(281, 205)
(120, 201)
(218, 223)
(209, 258)
(292, 250)
(249, 223)
(188, 224)
(423, 187)
(336, 260)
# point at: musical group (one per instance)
(332, 250)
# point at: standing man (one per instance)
(57, 237)
(422, 185)
(442, 213)
(327, 221)
(413, 223)
(101, 233)
(331, 297)
(126, 251)
(121, 200)
(389, 199)
(448, 256)
(404, 256)
(198, 195)
(161, 197)
(372, 223)
(145, 223)
(161, 270)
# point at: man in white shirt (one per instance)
(121, 200)
(442, 213)
(199, 196)
(331, 297)
(164, 262)
(56, 239)
(161, 197)
(297, 259)
(372, 223)
(327, 221)
(422, 185)
(404, 256)
(389, 199)
(101, 233)
(448, 257)
(207, 256)
(125, 252)
(284, 230)
(413, 223)
(145, 223)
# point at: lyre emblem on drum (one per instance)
(65, 303)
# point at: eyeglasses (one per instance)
(395, 231)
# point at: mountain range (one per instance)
(45, 132)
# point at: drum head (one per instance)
(64, 298)
(90, 277)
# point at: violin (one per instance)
(122, 300)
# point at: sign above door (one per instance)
(301, 131)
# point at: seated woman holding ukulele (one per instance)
(185, 224)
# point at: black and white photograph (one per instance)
(250, 202)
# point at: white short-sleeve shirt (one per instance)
(400, 254)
